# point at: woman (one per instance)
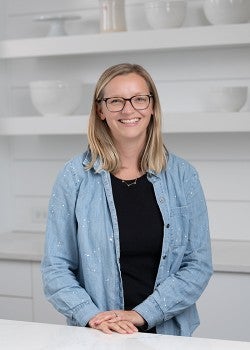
(127, 243)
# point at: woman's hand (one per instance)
(122, 327)
(119, 321)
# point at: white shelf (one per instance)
(173, 123)
(206, 122)
(150, 40)
(69, 125)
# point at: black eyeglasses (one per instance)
(116, 104)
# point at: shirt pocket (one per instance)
(179, 226)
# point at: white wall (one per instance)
(183, 79)
(223, 163)
(222, 159)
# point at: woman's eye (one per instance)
(115, 101)
(140, 99)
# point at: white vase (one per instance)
(112, 16)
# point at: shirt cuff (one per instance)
(151, 312)
(84, 313)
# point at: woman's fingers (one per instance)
(118, 328)
(122, 327)
(101, 320)
(104, 328)
(105, 316)
(127, 326)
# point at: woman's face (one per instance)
(129, 123)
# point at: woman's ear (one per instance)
(101, 115)
(100, 112)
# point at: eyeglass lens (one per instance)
(116, 104)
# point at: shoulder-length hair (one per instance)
(153, 156)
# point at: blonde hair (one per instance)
(101, 144)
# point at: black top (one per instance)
(141, 233)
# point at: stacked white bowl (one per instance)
(227, 98)
(56, 97)
(165, 13)
(227, 11)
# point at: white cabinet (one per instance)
(224, 307)
(15, 278)
(15, 290)
(220, 307)
(16, 308)
(21, 294)
(43, 311)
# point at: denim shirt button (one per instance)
(168, 225)
(164, 256)
(157, 285)
(162, 200)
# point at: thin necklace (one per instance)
(130, 183)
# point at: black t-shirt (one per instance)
(141, 233)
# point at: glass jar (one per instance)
(112, 16)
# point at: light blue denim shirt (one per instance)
(80, 267)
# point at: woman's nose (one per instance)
(128, 108)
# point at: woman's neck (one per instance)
(129, 157)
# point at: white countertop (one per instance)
(228, 255)
(19, 335)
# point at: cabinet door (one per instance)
(13, 308)
(224, 307)
(15, 277)
(15, 290)
(43, 310)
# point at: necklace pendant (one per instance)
(130, 183)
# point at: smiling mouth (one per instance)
(129, 121)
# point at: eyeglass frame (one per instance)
(125, 100)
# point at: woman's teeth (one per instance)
(129, 121)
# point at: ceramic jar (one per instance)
(112, 15)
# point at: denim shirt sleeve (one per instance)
(60, 261)
(181, 288)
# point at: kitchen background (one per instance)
(186, 63)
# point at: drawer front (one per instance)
(15, 277)
(43, 311)
(19, 309)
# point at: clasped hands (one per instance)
(119, 321)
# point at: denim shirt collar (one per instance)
(98, 165)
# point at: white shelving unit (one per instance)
(150, 40)
(172, 123)
(138, 41)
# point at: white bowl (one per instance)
(228, 98)
(165, 14)
(55, 97)
(227, 11)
